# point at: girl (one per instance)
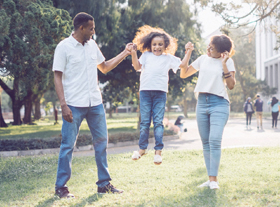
(157, 59)
(216, 72)
(274, 110)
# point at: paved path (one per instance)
(235, 135)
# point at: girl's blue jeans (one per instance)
(96, 120)
(152, 105)
(212, 113)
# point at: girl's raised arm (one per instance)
(135, 62)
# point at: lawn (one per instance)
(45, 128)
(248, 177)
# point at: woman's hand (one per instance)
(189, 46)
(225, 56)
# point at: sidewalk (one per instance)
(235, 135)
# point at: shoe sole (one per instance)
(139, 157)
(157, 163)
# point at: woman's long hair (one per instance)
(274, 101)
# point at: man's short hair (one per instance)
(258, 95)
(81, 18)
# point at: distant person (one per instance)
(216, 72)
(158, 49)
(76, 60)
(274, 102)
(179, 123)
(249, 110)
(259, 111)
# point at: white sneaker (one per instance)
(157, 159)
(206, 184)
(214, 185)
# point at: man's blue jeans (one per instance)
(212, 113)
(96, 120)
(152, 104)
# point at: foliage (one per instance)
(247, 177)
(260, 10)
(26, 51)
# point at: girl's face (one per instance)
(157, 45)
(212, 52)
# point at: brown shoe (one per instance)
(108, 189)
(64, 193)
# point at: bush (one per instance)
(83, 140)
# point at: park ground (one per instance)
(249, 173)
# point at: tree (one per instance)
(260, 10)
(27, 50)
(2, 121)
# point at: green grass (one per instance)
(45, 128)
(247, 177)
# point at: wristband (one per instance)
(228, 76)
(224, 74)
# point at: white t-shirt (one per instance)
(210, 78)
(154, 71)
(79, 66)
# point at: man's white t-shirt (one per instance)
(210, 78)
(78, 64)
(154, 70)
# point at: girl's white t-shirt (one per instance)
(154, 70)
(210, 78)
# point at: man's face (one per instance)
(88, 30)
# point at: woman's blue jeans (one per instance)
(96, 120)
(212, 113)
(152, 104)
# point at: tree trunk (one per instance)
(185, 108)
(2, 121)
(27, 109)
(37, 105)
(17, 103)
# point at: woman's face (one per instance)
(157, 45)
(212, 52)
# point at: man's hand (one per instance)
(67, 113)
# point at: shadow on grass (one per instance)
(47, 202)
(89, 200)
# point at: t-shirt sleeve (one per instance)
(175, 63)
(59, 60)
(230, 65)
(100, 57)
(196, 64)
(142, 59)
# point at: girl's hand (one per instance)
(128, 47)
(225, 56)
(134, 47)
(189, 46)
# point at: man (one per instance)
(75, 64)
(259, 110)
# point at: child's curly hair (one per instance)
(146, 33)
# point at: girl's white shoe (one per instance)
(206, 184)
(136, 155)
(157, 159)
(213, 185)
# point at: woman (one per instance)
(249, 110)
(274, 110)
(216, 72)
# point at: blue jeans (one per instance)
(212, 113)
(152, 104)
(96, 120)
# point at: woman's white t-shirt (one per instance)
(154, 70)
(210, 78)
